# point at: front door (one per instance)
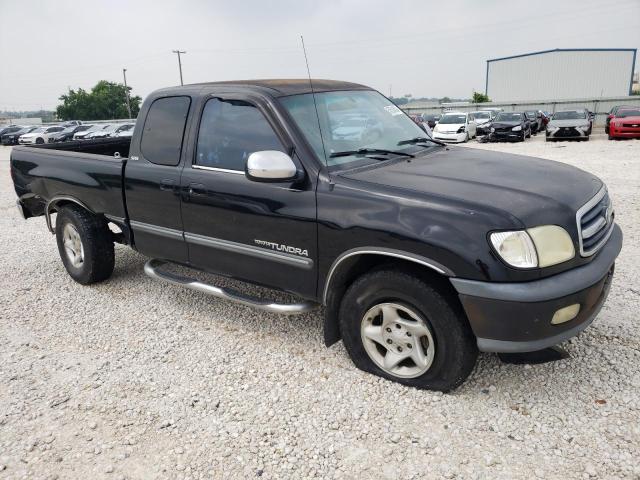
(262, 232)
(152, 181)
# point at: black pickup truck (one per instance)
(421, 254)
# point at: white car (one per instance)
(106, 129)
(83, 134)
(110, 131)
(125, 131)
(455, 127)
(39, 135)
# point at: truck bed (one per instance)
(88, 171)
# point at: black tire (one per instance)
(39, 141)
(606, 130)
(610, 137)
(97, 245)
(455, 345)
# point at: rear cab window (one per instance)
(163, 131)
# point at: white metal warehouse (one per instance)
(561, 74)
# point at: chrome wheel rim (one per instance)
(398, 340)
(73, 245)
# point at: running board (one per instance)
(152, 269)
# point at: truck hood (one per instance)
(533, 190)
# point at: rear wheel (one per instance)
(397, 326)
(85, 245)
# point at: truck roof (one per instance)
(282, 87)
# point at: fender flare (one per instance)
(54, 201)
(388, 252)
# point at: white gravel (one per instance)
(136, 379)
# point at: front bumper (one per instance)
(450, 137)
(507, 135)
(624, 132)
(516, 317)
(566, 132)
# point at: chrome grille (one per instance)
(595, 223)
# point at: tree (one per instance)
(106, 101)
(400, 100)
(445, 100)
(479, 98)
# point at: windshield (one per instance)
(482, 115)
(350, 120)
(628, 113)
(569, 115)
(452, 119)
(39, 130)
(509, 117)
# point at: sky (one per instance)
(424, 48)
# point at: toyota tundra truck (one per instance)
(420, 254)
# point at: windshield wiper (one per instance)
(413, 141)
(366, 151)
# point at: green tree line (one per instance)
(105, 101)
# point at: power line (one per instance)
(179, 63)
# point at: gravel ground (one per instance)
(136, 379)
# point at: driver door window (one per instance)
(230, 131)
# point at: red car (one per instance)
(626, 124)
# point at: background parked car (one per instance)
(125, 130)
(104, 132)
(67, 134)
(626, 124)
(71, 123)
(83, 134)
(455, 127)
(612, 114)
(483, 119)
(39, 135)
(431, 119)
(511, 126)
(535, 121)
(417, 118)
(10, 129)
(545, 117)
(12, 138)
(569, 124)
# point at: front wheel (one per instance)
(85, 245)
(397, 326)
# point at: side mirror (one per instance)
(270, 166)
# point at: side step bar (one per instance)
(152, 269)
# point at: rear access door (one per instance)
(152, 180)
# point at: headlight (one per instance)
(553, 244)
(461, 129)
(493, 129)
(517, 129)
(536, 247)
(584, 127)
(515, 248)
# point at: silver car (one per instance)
(569, 124)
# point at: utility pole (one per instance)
(179, 64)
(126, 89)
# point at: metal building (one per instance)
(561, 74)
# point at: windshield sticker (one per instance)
(393, 110)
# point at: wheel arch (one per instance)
(55, 203)
(358, 261)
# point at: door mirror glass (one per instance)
(270, 166)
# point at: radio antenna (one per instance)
(315, 105)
